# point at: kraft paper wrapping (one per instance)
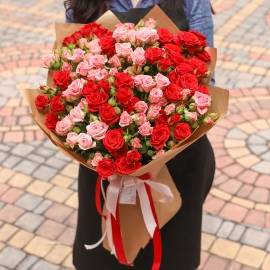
(135, 235)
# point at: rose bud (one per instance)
(76, 129)
(117, 110)
(208, 120)
(111, 79)
(171, 144)
(146, 69)
(214, 116)
(195, 125)
(93, 118)
(150, 153)
(112, 91)
(180, 109)
(192, 107)
(127, 137)
(112, 101)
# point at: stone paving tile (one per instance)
(11, 257)
(29, 221)
(38, 184)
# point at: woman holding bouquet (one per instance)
(193, 170)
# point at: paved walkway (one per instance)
(38, 197)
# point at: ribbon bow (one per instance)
(124, 190)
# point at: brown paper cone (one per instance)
(135, 235)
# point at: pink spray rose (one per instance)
(169, 109)
(76, 114)
(97, 129)
(64, 126)
(85, 141)
(162, 81)
(83, 68)
(94, 46)
(97, 74)
(72, 139)
(74, 89)
(144, 82)
(48, 60)
(136, 143)
(141, 107)
(97, 61)
(123, 49)
(153, 111)
(146, 129)
(138, 56)
(139, 118)
(120, 34)
(147, 35)
(97, 158)
(77, 56)
(202, 101)
(125, 119)
(156, 95)
(115, 61)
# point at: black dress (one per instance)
(182, 235)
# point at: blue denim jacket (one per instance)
(198, 13)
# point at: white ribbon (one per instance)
(118, 187)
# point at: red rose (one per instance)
(165, 36)
(61, 78)
(90, 87)
(69, 40)
(114, 140)
(174, 53)
(162, 118)
(107, 44)
(184, 68)
(204, 56)
(174, 119)
(108, 114)
(192, 40)
(96, 99)
(125, 166)
(172, 49)
(42, 101)
(164, 64)
(56, 105)
(173, 76)
(203, 89)
(104, 84)
(77, 35)
(173, 93)
(182, 131)
(133, 155)
(89, 29)
(153, 55)
(124, 96)
(130, 107)
(160, 135)
(123, 80)
(200, 67)
(51, 120)
(106, 167)
(188, 81)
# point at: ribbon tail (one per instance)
(117, 238)
(98, 196)
(157, 235)
(90, 247)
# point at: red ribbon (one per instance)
(116, 227)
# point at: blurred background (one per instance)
(38, 199)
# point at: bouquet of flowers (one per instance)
(122, 102)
